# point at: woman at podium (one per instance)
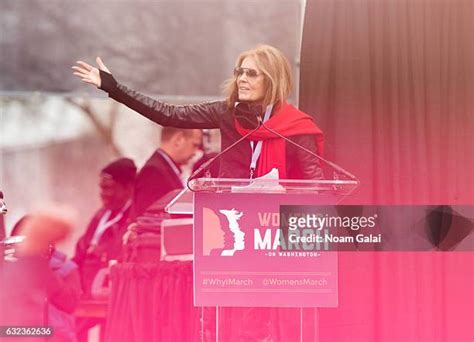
(260, 131)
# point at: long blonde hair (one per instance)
(276, 70)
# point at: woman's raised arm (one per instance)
(203, 115)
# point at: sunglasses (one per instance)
(250, 73)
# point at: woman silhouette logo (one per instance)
(214, 234)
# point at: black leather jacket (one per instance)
(235, 164)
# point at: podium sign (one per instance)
(241, 258)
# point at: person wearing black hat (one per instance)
(102, 240)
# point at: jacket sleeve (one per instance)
(84, 241)
(81, 250)
(309, 165)
(204, 115)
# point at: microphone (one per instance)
(249, 117)
(334, 166)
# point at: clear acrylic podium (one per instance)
(240, 321)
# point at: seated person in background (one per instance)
(102, 240)
(162, 172)
(37, 271)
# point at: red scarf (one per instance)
(288, 121)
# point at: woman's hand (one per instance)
(89, 74)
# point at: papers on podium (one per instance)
(266, 183)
